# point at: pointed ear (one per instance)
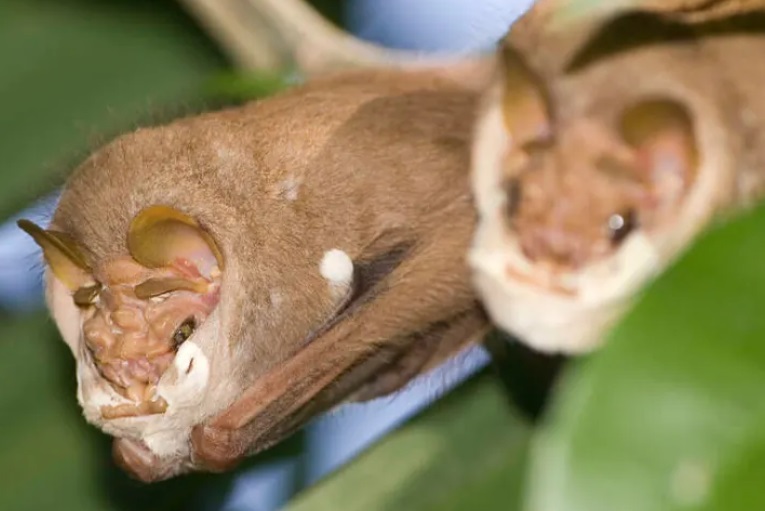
(156, 287)
(160, 235)
(662, 134)
(62, 255)
(525, 105)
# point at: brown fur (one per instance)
(374, 163)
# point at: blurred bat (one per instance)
(223, 279)
(614, 133)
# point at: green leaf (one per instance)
(739, 484)
(466, 452)
(659, 418)
(240, 86)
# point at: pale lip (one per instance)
(150, 404)
(547, 280)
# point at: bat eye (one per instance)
(513, 197)
(86, 296)
(620, 225)
(184, 331)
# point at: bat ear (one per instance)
(661, 132)
(525, 105)
(161, 235)
(62, 254)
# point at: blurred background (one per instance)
(74, 73)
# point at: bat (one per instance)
(613, 133)
(222, 279)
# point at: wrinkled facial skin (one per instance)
(132, 339)
(573, 201)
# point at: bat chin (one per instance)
(545, 319)
(559, 313)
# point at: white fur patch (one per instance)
(184, 383)
(183, 387)
(549, 321)
(276, 298)
(336, 266)
(289, 188)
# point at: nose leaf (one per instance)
(554, 247)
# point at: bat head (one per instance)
(571, 205)
(133, 320)
(573, 201)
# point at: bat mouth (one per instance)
(135, 361)
(556, 283)
(141, 392)
(135, 379)
(178, 380)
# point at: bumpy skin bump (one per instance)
(132, 340)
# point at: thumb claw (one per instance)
(216, 449)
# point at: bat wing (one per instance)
(393, 313)
(394, 327)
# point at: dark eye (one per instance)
(86, 296)
(184, 331)
(620, 225)
(513, 197)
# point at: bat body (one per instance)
(601, 152)
(270, 260)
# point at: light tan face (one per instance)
(575, 204)
(574, 201)
(577, 188)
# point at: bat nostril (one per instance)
(555, 247)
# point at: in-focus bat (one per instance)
(223, 279)
(604, 146)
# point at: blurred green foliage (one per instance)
(666, 417)
(467, 452)
(669, 415)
